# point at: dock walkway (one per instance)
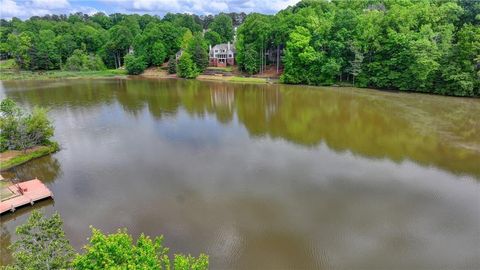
(24, 193)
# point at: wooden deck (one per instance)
(20, 194)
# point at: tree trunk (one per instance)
(119, 60)
(278, 56)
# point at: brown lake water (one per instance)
(263, 176)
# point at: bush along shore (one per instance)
(25, 135)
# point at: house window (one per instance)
(216, 50)
(229, 55)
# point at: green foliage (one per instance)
(187, 21)
(223, 25)
(82, 61)
(19, 47)
(21, 130)
(153, 44)
(172, 65)
(186, 38)
(159, 53)
(182, 262)
(426, 46)
(41, 244)
(212, 38)
(186, 68)
(197, 48)
(44, 54)
(25, 157)
(135, 64)
(250, 60)
(118, 251)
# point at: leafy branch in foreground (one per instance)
(42, 245)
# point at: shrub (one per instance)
(172, 65)
(21, 130)
(158, 53)
(186, 68)
(80, 61)
(135, 64)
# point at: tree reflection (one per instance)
(438, 131)
(47, 168)
(5, 242)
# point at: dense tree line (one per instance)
(426, 45)
(82, 42)
(417, 45)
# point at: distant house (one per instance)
(178, 54)
(222, 55)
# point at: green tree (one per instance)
(135, 64)
(119, 42)
(118, 251)
(172, 65)
(19, 46)
(197, 48)
(159, 53)
(250, 60)
(186, 68)
(82, 61)
(21, 130)
(44, 53)
(223, 25)
(66, 45)
(41, 244)
(213, 38)
(186, 38)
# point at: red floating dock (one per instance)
(19, 194)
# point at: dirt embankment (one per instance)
(10, 154)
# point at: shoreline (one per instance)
(17, 157)
(121, 74)
(10, 75)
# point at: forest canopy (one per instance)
(416, 45)
(427, 46)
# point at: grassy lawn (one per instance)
(6, 75)
(7, 64)
(247, 79)
(226, 69)
(20, 157)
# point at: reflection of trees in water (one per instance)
(372, 124)
(71, 93)
(46, 168)
(5, 242)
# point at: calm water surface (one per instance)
(263, 176)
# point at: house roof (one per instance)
(224, 46)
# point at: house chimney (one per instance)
(228, 46)
(210, 47)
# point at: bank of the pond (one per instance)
(211, 74)
(12, 158)
(10, 75)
